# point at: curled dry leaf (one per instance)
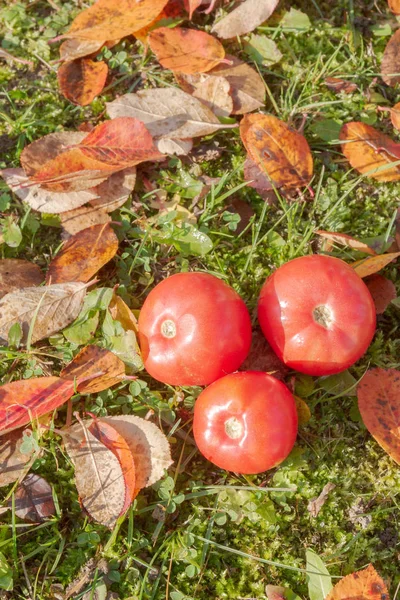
(54, 307)
(346, 240)
(13, 462)
(363, 585)
(370, 151)
(246, 86)
(44, 200)
(81, 80)
(191, 6)
(16, 273)
(382, 290)
(214, 92)
(373, 264)
(315, 505)
(148, 445)
(81, 218)
(243, 19)
(379, 402)
(167, 113)
(83, 255)
(108, 20)
(108, 435)
(34, 499)
(122, 313)
(186, 50)
(93, 360)
(98, 475)
(24, 401)
(394, 6)
(390, 67)
(282, 153)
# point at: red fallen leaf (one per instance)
(107, 369)
(394, 6)
(379, 402)
(24, 401)
(121, 142)
(109, 436)
(346, 240)
(362, 585)
(82, 80)
(382, 290)
(186, 50)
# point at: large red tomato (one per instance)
(317, 314)
(245, 422)
(193, 329)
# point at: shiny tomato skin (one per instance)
(317, 314)
(209, 325)
(258, 409)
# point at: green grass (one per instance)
(183, 539)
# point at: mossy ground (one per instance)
(167, 546)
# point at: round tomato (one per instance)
(193, 329)
(317, 314)
(245, 422)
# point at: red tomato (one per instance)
(193, 329)
(317, 314)
(245, 422)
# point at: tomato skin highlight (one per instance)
(317, 314)
(193, 329)
(259, 413)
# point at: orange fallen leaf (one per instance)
(395, 115)
(369, 151)
(379, 402)
(172, 10)
(82, 80)
(110, 20)
(93, 360)
(394, 6)
(41, 151)
(369, 266)
(362, 585)
(390, 66)
(279, 151)
(22, 402)
(382, 290)
(186, 50)
(16, 273)
(108, 435)
(83, 255)
(122, 313)
(346, 240)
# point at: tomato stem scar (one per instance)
(168, 328)
(233, 428)
(323, 316)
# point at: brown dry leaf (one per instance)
(362, 585)
(370, 151)
(167, 113)
(81, 218)
(382, 290)
(178, 147)
(303, 410)
(263, 358)
(109, 436)
(256, 178)
(38, 153)
(335, 84)
(24, 401)
(214, 92)
(44, 200)
(14, 463)
(379, 402)
(186, 50)
(390, 67)
(373, 264)
(148, 445)
(83, 255)
(56, 305)
(98, 475)
(81, 80)
(346, 240)
(243, 19)
(76, 48)
(394, 6)
(115, 191)
(109, 20)
(122, 313)
(92, 360)
(315, 505)
(278, 150)
(16, 273)
(244, 210)
(34, 499)
(246, 86)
